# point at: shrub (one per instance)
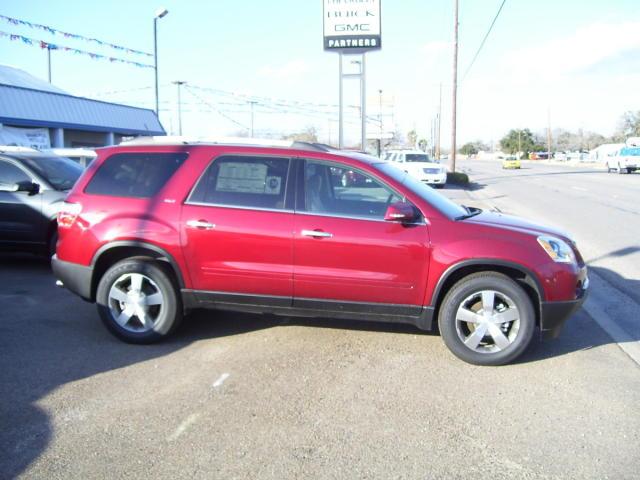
(457, 178)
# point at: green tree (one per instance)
(469, 149)
(628, 126)
(520, 139)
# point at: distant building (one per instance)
(37, 114)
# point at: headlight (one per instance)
(557, 249)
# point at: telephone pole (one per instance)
(549, 134)
(452, 162)
(437, 153)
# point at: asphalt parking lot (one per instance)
(247, 396)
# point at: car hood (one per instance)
(510, 222)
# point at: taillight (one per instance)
(68, 214)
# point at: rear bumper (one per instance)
(75, 278)
(553, 315)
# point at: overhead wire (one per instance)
(475, 57)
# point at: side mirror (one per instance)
(401, 212)
(25, 186)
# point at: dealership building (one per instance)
(34, 113)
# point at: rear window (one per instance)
(417, 157)
(139, 175)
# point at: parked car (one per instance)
(624, 160)
(511, 161)
(419, 165)
(32, 188)
(152, 231)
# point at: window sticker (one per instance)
(243, 178)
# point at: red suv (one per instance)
(152, 231)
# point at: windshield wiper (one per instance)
(471, 212)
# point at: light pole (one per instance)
(381, 126)
(252, 103)
(179, 83)
(159, 14)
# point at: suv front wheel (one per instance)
(138, 301)
(487, 319)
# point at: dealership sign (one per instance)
(352, 26)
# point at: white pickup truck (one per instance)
(420, 166)
(626, 159)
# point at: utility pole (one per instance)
(179, 83)
(381, 126)
(49, 61)
(252, 103)
(549, 134)
(452, 162)
(519, 143)
(437, 153)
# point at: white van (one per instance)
(420, 166)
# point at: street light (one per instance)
(159, 14)
(179, 83)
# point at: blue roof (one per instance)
(20, 78)
(35, 107)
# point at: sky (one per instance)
(572, 64)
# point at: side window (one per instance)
(335, 190)
(239, 181)
(138, 175)
(10, 174)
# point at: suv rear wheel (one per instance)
(138, 301)
(487, 319)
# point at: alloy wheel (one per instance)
(135, 302)
(487, 321)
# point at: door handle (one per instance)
(200, 225)
(316, 234)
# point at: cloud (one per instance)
(436, 49)
(293, 69)
(577, 52)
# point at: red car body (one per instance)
(262, 260)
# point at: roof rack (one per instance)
(262, 142)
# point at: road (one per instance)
(600, 210)
(247, 396)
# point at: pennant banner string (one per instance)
(53, 31)
(53, 46)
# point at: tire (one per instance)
(608, 168)
(126, 314)
(622, 170)
(500, 343)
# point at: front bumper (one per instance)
(434, 180)
(75, 278)
(553, 315)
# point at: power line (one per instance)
(484, 40)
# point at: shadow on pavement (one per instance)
(49, 338)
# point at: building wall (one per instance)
(77, 138)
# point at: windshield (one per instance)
(417, 157)
(60, 172)
(443, 204)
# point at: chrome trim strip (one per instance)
(238, 207)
